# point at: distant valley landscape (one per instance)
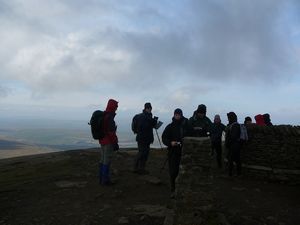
(25, 137)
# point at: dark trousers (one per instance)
(174, 156)
(217, 148)
(142, 156)
(234, 155)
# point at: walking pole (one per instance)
(158, 140)
(166, 160)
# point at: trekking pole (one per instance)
(166, 160)
(158, 139)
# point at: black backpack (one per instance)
(96, 123)
(135, 123)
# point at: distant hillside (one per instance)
(10, 148)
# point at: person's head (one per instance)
(217, 119)
(201, 111)
(112, 105)
(178, 114)
(148, 107)
(248, 120)
(231, 117)
(267, 118)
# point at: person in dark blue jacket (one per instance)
(143, 127)
(217, 129)
(233, 143)
(172, 137)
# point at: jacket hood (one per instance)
(267, 118)
(112, 105)
(259, 119)
(231, 117)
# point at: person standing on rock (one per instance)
(142, 126)
(109, 143)
(172, 137)
(199, 123)
(217, 130)
(233, 143)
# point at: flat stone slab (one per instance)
(151, 179)
(70, 184)
(150, 210)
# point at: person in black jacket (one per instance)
(267, 119)
(172, 137)
(144, 137)
(233, 144)
(217, 129)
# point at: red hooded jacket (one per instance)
(260, 120)
(109, 124)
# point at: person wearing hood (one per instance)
(144, 137)
(172, 137)
(199, 123)
(259, 119)
(267, 119)
(217, 130)
(109, 143)
(247, 120)
(232, 143)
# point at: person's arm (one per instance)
(209, 126)
(191, 131)
(166, 139)
(111, 130)
(154, 121)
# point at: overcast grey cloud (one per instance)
(216, 40)
(172, 52)
(3, 91)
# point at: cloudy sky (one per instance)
(63, 58)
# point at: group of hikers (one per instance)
(198, 125)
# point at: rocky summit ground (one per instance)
(62, 188)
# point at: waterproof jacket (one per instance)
(145, 125)
(216, 132)
(267, 119)
(175, 131)
(109, 125)
(199, 127)
(232, 136)
(260, 120)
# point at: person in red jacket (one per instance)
(109, 143)
(259, 119)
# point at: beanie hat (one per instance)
(217, 117)
(147, 105)
(178, 111)
(201, 109)
(231, 117)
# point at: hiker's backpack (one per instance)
(135, 123)
(96, 123)
(244, 133)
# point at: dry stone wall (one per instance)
(272, 152)
(194, 197)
